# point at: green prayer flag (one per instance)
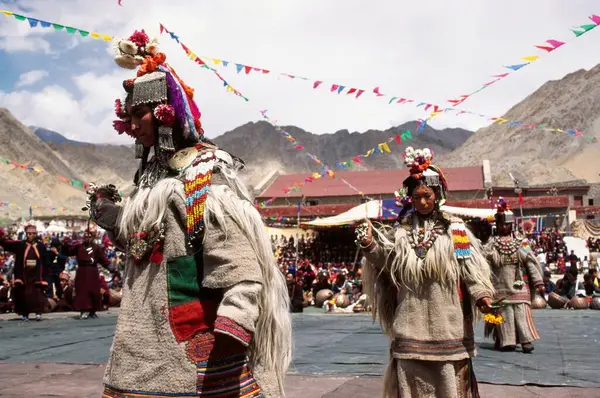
(71, 30)
(19, 17)
(392, 100)
(84, 33)
(406, 135)
(577, 32)
(77, 183)
(588, 27)
(57, 26)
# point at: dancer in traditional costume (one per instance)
(426, 275)
(30, 272)
(205, 311)
(516, 274)
(88, 297)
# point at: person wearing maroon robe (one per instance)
(30, 273)
(66, 301)
(88, 298)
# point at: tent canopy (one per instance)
(375, 209)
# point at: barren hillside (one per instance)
(543, 157)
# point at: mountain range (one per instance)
(537, 156)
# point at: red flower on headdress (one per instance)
(122, 127)
(165, 114)
(120, 109)
(140, 38)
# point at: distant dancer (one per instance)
(516, 276)
(30, 272)
(88, 298)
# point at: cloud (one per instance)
(12, 44)
(429, 51)
(30, 78)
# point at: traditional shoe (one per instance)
(508, 348)
(83, 316)
(25, 318)
(38, 317)
(527, 348)
(94, 316)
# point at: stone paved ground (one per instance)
(85, 381)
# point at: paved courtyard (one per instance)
(335, 356)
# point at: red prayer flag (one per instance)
(359, 93)
(317, 84)
(163, 29)
(352, 90)
(376, 91)
(398, 139)
(521, 201)
(247, 69)
(545, 48)
(334, 87)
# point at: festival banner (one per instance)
(34, 23)
(548, 47)
(334, 88)
(192, 56)
(74, 183)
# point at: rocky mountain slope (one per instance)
(264, 149)
(543, 157)
(259, 144)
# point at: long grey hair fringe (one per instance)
(271, 347)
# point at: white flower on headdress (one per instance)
(128, 47)
(152, 48)
(427, 151)
(409, 150)
(127, 61)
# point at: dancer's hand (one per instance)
(485, 305)
(364, 233)
(541, 289)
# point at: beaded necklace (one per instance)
(421, 239)
(507, 247)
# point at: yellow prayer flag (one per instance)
(192, 56)
(530, 58)
(501, 120)
(369, 153)
(106, 38)
(95, 35)
(229, 88)
(7, 13)
(216, 61)
(384, 147)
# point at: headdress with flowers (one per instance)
(420, 168)
(158, 86)
(503, 211)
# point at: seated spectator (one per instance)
(550, 286)
(590, 289)
(322, 283)
(296, 294)
(569, 285)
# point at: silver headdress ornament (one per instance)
(150, 89)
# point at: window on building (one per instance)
(590, 202)
(311, 202)
(577, 200)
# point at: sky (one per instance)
(426, 51)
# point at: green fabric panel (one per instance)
(182, 280)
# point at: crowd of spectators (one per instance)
(62, 274)
(327, 262)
